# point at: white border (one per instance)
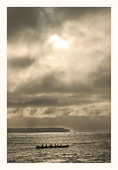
(3, 81)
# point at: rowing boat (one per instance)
(45, 147)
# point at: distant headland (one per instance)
(36, 130)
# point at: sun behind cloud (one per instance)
(58, 42)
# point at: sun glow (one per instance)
(58, 42)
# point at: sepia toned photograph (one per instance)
(58, 85)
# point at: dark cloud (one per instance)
(20, 62)
(32, 111)
(52, 111)
(96, 112)
(29, 23)
(96, 90)
(38, 20)
(74, 13)
(19, 19)
(19, 100)
(102, 81)
(42, 101)
(54, 82)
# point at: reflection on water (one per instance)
(84, 147)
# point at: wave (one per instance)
(84, 143)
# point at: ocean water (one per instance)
(85, 147)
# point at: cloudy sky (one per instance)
(59, 68)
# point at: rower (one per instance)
(42, 146)
(46, 145)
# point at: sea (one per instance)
(84, 147)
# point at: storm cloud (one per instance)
(59, 66)
(20, 63)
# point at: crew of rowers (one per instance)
(51, 145)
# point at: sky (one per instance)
(59, 68)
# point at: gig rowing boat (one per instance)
(45, 147)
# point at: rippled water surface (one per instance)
(84, 147)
